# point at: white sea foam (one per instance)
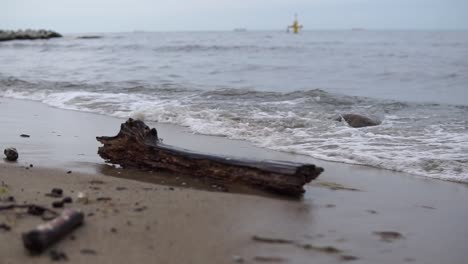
(432, 151)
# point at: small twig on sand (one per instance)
(33, 209)
(272, 240)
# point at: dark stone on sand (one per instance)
(56, 255)
(57, 191)
(269, 259)
(357, 121)
(389, 236)
(11, 154)
(272, 240)
(27, 34)
(57, 204)
(35, 210)
(67, 199)
(140, 209)
(25, 135)
(88, 251)
(5, 227)
(103, 199)
(348, 258)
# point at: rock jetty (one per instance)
(28, 34)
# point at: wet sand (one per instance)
(185, 221)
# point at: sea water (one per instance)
(277, 90)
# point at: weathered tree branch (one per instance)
(138, 146)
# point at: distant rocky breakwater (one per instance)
(28, 34)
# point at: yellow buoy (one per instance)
(295, 26)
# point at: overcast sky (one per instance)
(69, 16)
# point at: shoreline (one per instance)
(182, 137)
(343, 208)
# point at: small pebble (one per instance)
(348, 258)
(87, 251)
(57, 191)
(140, 209)
(67, 200)
(103, 199)
(57, 204)
(35, 210)
(56, 255)
(5, 227)
(238, 259)
(82, 198)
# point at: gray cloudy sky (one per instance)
(156, 15)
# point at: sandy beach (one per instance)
(350, 213)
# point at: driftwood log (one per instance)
(138, 146)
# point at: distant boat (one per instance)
(239, 30)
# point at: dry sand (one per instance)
(196, 223)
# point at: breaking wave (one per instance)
(426, 139)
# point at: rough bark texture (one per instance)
(138, 146)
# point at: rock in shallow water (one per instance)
(357, 121)
(11, 154)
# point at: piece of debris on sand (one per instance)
(334, 186)
(88, 251)
(348, 258)
(44, 235)
(269, 259)
(388, 236)
(5, 227)
(56, 255)
(325, 249)
(271, 240)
